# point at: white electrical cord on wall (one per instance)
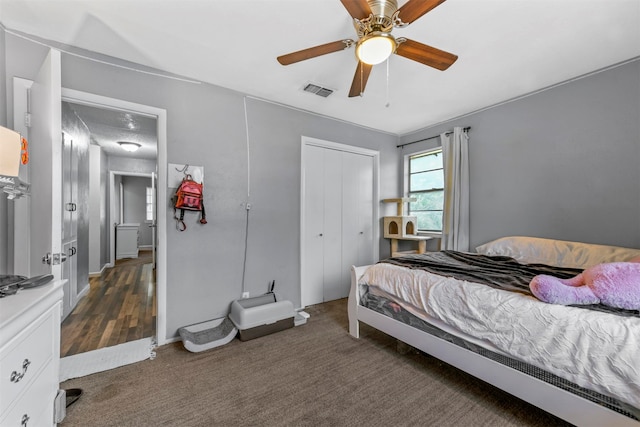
(248, 204)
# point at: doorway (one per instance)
(120, 304)
(149, 281)
(22, 250)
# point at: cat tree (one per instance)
(403, 227)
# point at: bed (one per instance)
(581, 364)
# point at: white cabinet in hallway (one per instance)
(127, 240)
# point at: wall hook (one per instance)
(184, 169)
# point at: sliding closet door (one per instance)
(338, 220)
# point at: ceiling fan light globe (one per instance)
(375, 48)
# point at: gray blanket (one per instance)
(499, 272)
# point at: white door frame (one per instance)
(78, 97)
(21, 262)
(308, 141)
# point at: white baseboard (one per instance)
(172, 340)
(104, 267)
(83, 292)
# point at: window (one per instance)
(426, 184)
(149, 204)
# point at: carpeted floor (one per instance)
(312, 375)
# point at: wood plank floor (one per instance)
(120, 307)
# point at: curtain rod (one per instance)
(432, 137)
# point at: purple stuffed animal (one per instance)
(616, 284)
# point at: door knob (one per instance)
(54, 259)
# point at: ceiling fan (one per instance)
(373, 21)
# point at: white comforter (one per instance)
(596, 350)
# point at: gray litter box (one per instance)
(207, 335)
(251, 317)
(263, 315)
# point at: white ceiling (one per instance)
(506, 49)
(108, 127)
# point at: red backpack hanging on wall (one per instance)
(188, 198)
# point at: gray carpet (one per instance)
(312, 375)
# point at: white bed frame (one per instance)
(559, 402)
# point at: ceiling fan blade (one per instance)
(414, 9)
(312, 52)
(360, 79)
(358, 9)
(426, 55)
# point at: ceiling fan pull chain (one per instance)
(361, 66)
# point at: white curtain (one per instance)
(455, 218)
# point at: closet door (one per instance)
(332, 226)
(357, 214)
(69, 189)
(312, 232)
(69, 268)
(338, 223)
(67, 198)
(69, 223)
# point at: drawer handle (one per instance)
(16, 377)
(25, 420)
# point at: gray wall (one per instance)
(206, 127)
(4, 237)
(135, 205)
(104, 211)
(96, 197)
(563, 163)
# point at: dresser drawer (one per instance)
(24, 357)
(35, 408)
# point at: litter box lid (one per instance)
(257, 315)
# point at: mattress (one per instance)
(592, 349)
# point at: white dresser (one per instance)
(127, 240)
(30, 355)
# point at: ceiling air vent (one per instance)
(318, 90)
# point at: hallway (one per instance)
(120, 307)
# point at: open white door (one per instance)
(153, 224)
(45, 145)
